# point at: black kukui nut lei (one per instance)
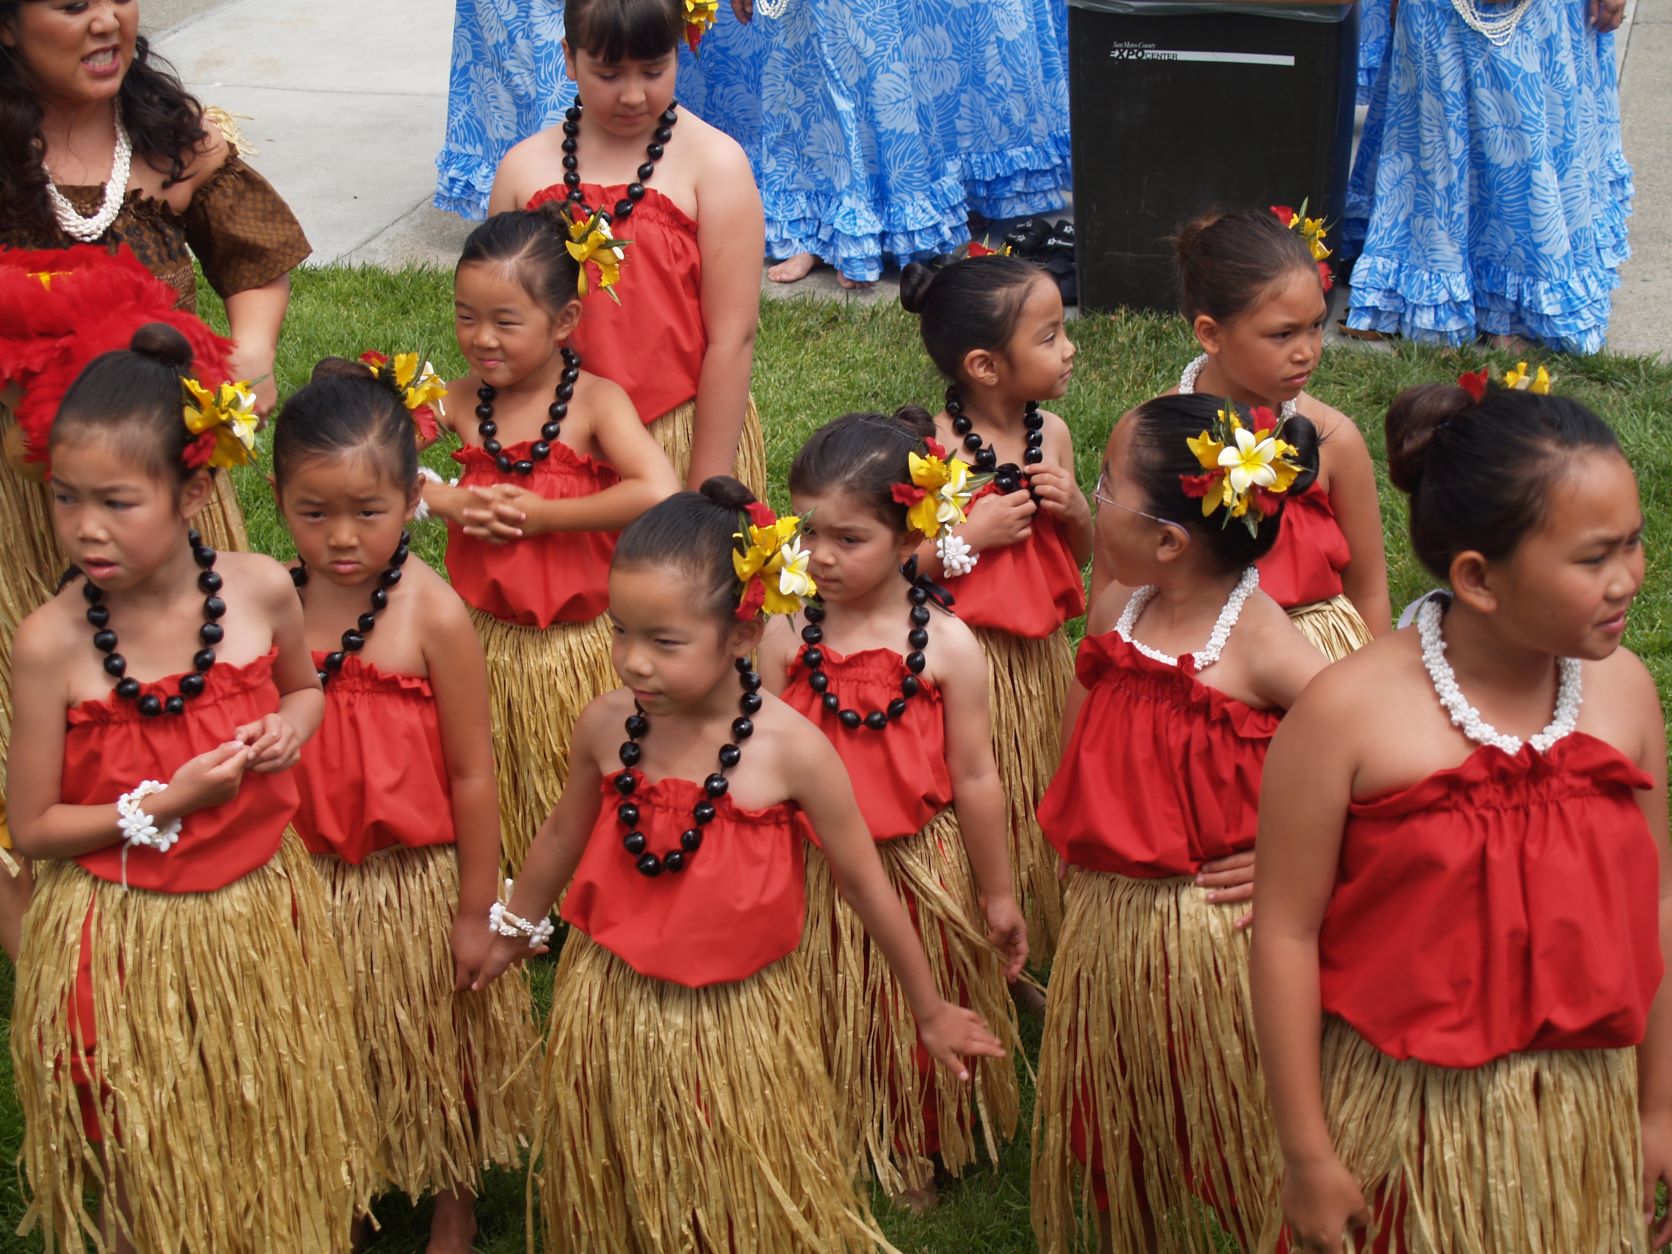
(211, 633)
(1008, 477)
(812, 657)
(635, 190)
(487, 430)
(635, 842)
(354, 639)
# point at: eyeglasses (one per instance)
(1102, 496)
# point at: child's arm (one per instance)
(1304, 796)
(1059, 494)
(275, 740)
(731, 238)
(459, 678)
(976, 790)
(1352, 495)
(950, 1033)
(557, 850)
(778, 645)
(42, 825)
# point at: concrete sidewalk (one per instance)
(345, 102)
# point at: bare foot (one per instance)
(918, 1201)
(453, 1226)
(793, 269)
(855, 285)
(1509, 343)
(1027, 997)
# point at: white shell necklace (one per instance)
(1192, 372)
(1209, 653)
(1496, 29)
(115, 192)
(1465, 717)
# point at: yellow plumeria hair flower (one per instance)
(223, 423)
(415, 381)
(591, 242)
(1246, 466)
(937, 497)
(699, 16)
(1522, 380)
(770, 564)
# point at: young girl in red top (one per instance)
(397, 793)
(182, 1038)
(555, 462)
(685, 1101)
(682, 338)
(1150, 1113)
(901, 691)
(1253, 289)
(1464, 902)
(993, 326)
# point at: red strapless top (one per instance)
(1507, 904)
(1027, 589)
(109, 747)
(653, 342)
(900, 773)
(373, 776)
(562, 576)
(1305, 564)
(738, 907)
(1161, 774)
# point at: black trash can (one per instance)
(1179, 107)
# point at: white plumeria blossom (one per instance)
(239, 402)
(1250, 461)
(793, 579)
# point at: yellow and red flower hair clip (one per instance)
(1314, 232)
(699, 16)
(591, 242)
(1244, 469)
(938, 496)
(416, 383)
(977, 249)
(222, 423)
(1475, 382)
(770, 564)
(1522, 380)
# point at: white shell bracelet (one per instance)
(138, 827)
(504, 923)
(429, 476)
(956, 557)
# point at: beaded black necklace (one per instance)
(487, 430)
(918, 639)
(635, 190)
(702, 814)
(211, 633)
(354, 639)
(1008, 477)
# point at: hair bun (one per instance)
(914, 419)
(162, 343)
(1303, 434)
(915, 281)
(727, 492)
(1189, 238)
(338, 368)
(1415, 417)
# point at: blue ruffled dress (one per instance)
(1490, 193)
(1375, 32)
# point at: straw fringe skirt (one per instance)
(1027, 683)
(674, 1118)
(1149, 1039)
(224, 1085)
(451, 1074)
(539, 681)
(1334, 626)
(676, 432)
(870, 1037)
(1531, 1152)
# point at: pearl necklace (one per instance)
(1497, 29)
(115, 192)
(1192, 372)
(1209, 653)
(1465, 717)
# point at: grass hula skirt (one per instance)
(224, 1095)
(1535, 1151)
(1027, 683)
(1147, 1070)
(676, 1118)
(1333, 626)
(451, 1074)
(870, 1036)
(539, 681)
(676, 432)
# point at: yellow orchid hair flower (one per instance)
(223, 423)
(770, 563)
(590, 240)
(1521, 379)
(1244, 467)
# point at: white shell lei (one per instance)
(1497, 28)
(115, 192)
(1209, 653)
(1465, 717)
(1187, 386)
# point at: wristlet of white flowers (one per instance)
(957, 558)
(423, 510)
(139, 829)
(504, 923)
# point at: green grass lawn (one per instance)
(817, 360)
